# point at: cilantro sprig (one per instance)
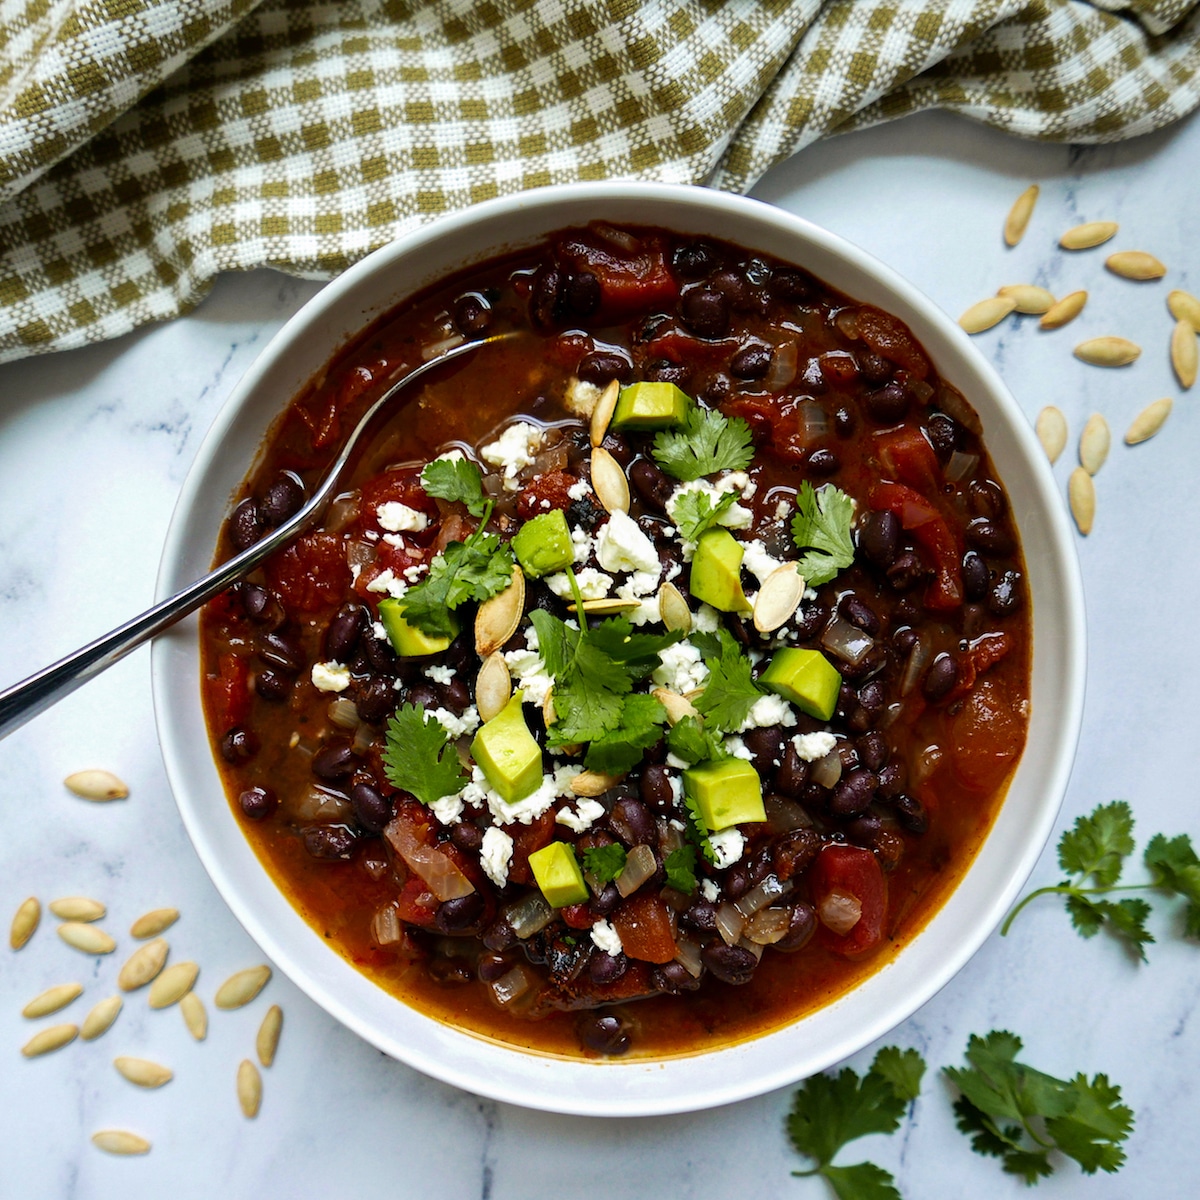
(828, 1111)
(1093, 854)
(821, 527)
(604, 863)
(696, 512)
(680, 865)
(1021, 1115)
(730, 691)
(707, 442)
(457, 480)
(418, 756)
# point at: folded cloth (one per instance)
(147, 145)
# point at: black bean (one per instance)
(694, 260)
(903, 640)
(986, 498)
(887, 404)
(580, 295)
(467, 837)
(891, 780)
(335, 760)
(940, 678)
(790, 285)
(455, 695)
(873, 750)
(377, 699)
(372, 808)
(460, 916)
(380, 655)
(259, 605)
(809, 620)
(910, 812)
(705, 312)
(905, 571)
(879, 537)
(258, 802)
(975, 576)
(603, 1032)
(716, 390)
(343, 633)
(823, 462)
(618, 447)
(844, 421)
(792, 853)
(273, 685)
(874, 367)
(863, 830)
(736, 288)
(449, 971)
(853, 793)
(330, 841)
(499, 935)
(655, 789)
(607, 968)
(737, 881)
(730, 964)
(942, 431)
(651, 484)
(282, 650)
(663, 370)
(284, 498)
(751, 362)
(491, 966)
(631, 821)
(673, 978)
(423, 693)
(601, 366)
(608, 900)
(472, 314)
(984, 534)
(766, 744)
(873, 698)
(802, 924)
(543, 299)
(759, 866)
(702, 915)
(792, 773)
(1005, 598)
(239, 745)
(245, 526)
(859, 612)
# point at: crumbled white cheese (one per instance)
(812, 746)
(706, 619)
(644, 583)
(400, 518)
(593, 584)
(606, 938)
(728, 845)
(530, 673)
(647, 611)
(680, 764)
(413, 573)
(582, 817)
(451, 456)
(579, 489)
(682, 668)
(622, 546)
(439, 673)
(735, 516)
(495, 854)
(782, 509)
(757, 561)
(514, 450)
(583, 542)
(524, 811)
(581, 397)
(767, 711)
(736, 747)
(709, 890)
(448, 809)
(330, 677)
(456, 726)
(378, 631)
(387, 584)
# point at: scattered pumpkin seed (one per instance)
(497, 618)
(1148, 422)
(605, 606)
(1094, 443)
(25, 922)
(1183, 353)
(1052, 431)
(194, 1015)
(143, 1072)
(88, 938)
(241, 987)
(594, 783)
(120, 1141)
(1108, 351)
(1135, 264)
(267, 1041)
(1081, 492)
(985, 313)
(778, 598)
(493, 686)
(1064, 311)
(173, 984)
(677, 706)
(153, 923)
(52, 999)
(1092, 233)
(78, 908)
(143, 965)
(249, 1088)
(1184, 307)
(96, 784)
(1029, 298)
(47, 1040)
(609, 482)
(673, 608)
(100, 1019)
(602, 414)
(1017, 220)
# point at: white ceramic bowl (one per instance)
(635, 1087)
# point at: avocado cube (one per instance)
(805, 677)
(655, 405)
(508, 754)
(558, 875)
(717, 571)
(407, 640)
(543, 544)
(726, 792)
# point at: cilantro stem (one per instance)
(1071, 889)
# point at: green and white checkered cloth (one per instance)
(146, 145)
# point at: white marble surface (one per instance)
(93, 448)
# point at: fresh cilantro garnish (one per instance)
(693, 743)
(419, 758)
(696, 831)
(472, 570)
(707, 442)
(621, 748)
(821, 526)
(637, 652)
(830, 1110)
(730, 692)
(1093, 853)
(695, 512)
(605, 863)
(456, 479)
(681, 869)
(1020, 1115)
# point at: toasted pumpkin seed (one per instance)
(120, 1141)
(1092, 233)
(1148, 422)
(673, 608)
(1028, 297)
(52, 999)
(194, 1015)
(1017, 220)
(1135, 264)
(25, 922)
(985, 313)
(143, 965)
(493, 686)
(173, 984)
(249, 1088)
(778, 598)
(100, 1019)
(677, 706)
(1052, 431)
(498, 617)
(1063, 311)
(143, 1072)
(609, 482)
(1081, 492)
(47, 1040)
(1108, 351)
(594, 783)
(78, 908)
(267, 1041)
(242, 987)
(1184, 307)
(96, 784)
(1184, 357)
(602, 414)
(1094, 442)
(88, 938)
(153, 923)
(604, 606)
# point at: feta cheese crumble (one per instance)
(682, 668)
(622, 546)
(593, 584)
(514, 450)
(582, 817)
(728, 845)
(456, 726)
(766, 711)
(495, 854)
(440, 674)
(400, 518)
(606, 938)
(812, 746)
(330, 677)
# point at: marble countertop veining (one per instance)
(94, 446)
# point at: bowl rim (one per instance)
(635, 1087)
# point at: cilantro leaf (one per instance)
(621, 748)
(693, 743)
(822, 527)
(476, 569)
(730, 692)
(863, 1181)
(695, 512)
(903, 1069)
(681, 869)
(1175, 869)
(604, 862)
(696, 831)
(707, 442)
(637, 652)
(456, 479)
(419, 758)
(1098, 845)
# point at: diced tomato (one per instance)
(527, 839)
(402, 486)
(890, 338)
(309, 573)
(986, 736)
(416, 904)
(982, 654)
(553, 487)
(685, 350)
(908, 457)
(577, 916)
(838, 367)
(856, 872)
(932, 534)
(229, 692)
(632, 280)
(644, 925)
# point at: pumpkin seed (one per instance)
(1017, 220)
(143, 1072)
(1183, 353)
(778, 598)
(120, 1141)
(249, 1088)
(609, 482)
(677, 706)
(194, 1015)
(52, 999)
(267, 1041)
(605, 606)
(986, 313)
(1052, 431)
(153, 923)
(493, 686)
(602, 414)
(77, 908)
(1028, 297)
(25, 922)
(1084, 237)
(1081, 492)
(47, 1040)
(1094, 443)
(95, 784)
(498, 617)
(143, 965)
(594, 783)
(1135, 264)
(173, 984)
(242, 987)
(1108, 351)
(1185, 307)
(674, 610)
(88, 938)
(100, 1019)
(1148, 422)
(1063, 311)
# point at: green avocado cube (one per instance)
(407, 640)
(655, 405)
(543, 544)
(726, 792)
(508, 754)
(558, 875)
(805, 677)
(717, 571)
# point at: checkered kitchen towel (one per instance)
(146, 145)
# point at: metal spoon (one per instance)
(24, 700)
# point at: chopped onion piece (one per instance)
(847, 323)
(768, 926)
(511, 986)
(317, 805)
(961, 465)
(846, 641)
(814, 421)
(363, 737)
(828, 770)
(784, 362)
(758, 897)
(927, 762)
(840, 911)
(529, 915)
(954, 404)
(639, 866)
(437, 349)
(342, 512)
(753, 947)
(730, 923)
(622, 239)
(918, 659)
(359, 554)
(687, 955)
(785, 815)
(385, 926)
(435, 869)
(343, 713)
(669, 838)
